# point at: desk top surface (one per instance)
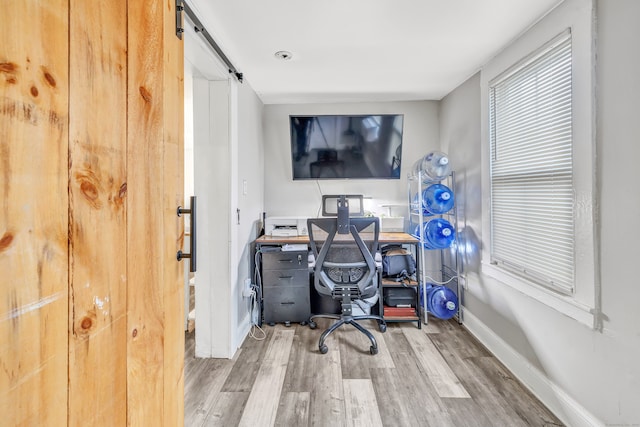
(385, 237)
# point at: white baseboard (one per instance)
(243, 330)
(568, 410)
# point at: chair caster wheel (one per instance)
(383, 327)
(312, 324)
(323, 349)
(373, 350)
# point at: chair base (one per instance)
(351, 320)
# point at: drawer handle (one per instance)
(286, 277)
(287, 303)
(286, 260)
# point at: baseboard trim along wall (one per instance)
(243, 331)
(555, 398)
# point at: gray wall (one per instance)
(618, 92)
(460, 139)
(285, 197)
(587, 377)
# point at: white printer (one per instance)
(286, 226)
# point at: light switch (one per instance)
(244, 187)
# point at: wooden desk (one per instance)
(384, 238)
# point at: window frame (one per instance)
(578, 17)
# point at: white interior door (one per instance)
(208, 176)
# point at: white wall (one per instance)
(585, 376)
(250, 198)
(285, 197)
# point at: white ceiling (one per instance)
(363, 50)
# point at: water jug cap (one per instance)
(443, 161)
(445, 195)
(450, 305)
(446, 232)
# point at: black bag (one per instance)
(397, 262)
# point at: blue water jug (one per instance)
(437, 199)
(442, 302)
(423, 292)
(437, 233)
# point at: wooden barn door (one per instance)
(91, 294)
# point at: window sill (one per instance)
(561, 303)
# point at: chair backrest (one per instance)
(344, 253)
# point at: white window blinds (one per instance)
(532, 218)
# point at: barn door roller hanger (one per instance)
(183, 6)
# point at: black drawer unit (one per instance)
(285, 278)
(285, 287)
(285, 260)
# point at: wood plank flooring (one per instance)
(436, 376)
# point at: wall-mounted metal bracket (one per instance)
(179, 19)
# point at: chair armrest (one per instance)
(311, 261)
(378, 260)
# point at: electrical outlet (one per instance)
(247, 291)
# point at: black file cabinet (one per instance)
(285, 287)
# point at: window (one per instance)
(538, 166)
(531, 168)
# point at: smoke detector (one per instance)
(283, 55)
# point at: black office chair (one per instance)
(345, 269)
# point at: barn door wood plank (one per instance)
(34, 95)
(97, 210)
(154, 232)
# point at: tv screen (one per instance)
(346, 146)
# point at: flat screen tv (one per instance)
(346, 146)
